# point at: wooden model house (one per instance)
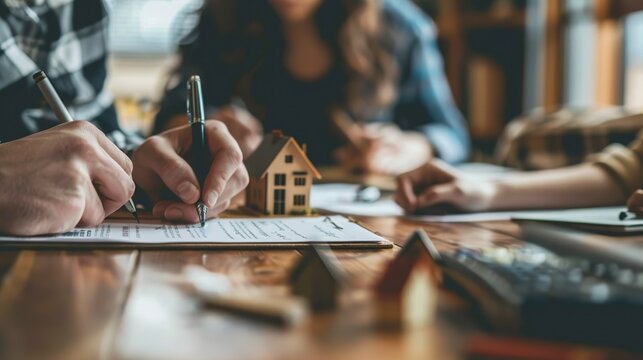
(318, 278)
(406, 295)
(280, 177)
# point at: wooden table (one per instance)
(128, 304)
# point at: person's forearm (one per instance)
(584, 185)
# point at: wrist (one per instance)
(499, 195)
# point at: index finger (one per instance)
(226, 160)
(404, 195)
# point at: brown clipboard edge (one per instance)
(43, 245)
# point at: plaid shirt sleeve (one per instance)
(68, 40)
(425, 103)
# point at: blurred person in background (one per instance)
(324, 71)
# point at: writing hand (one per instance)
(160, 162)
(54, 180)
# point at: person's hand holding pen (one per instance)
(160, 162)
(381, 149)
(69, 175)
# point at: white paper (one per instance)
(470, 217)
(603, 216)
(340, 198)
(225, 231)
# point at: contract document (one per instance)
(257, 231)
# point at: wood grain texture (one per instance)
(162, 320)
(72, 304)
(60, 305)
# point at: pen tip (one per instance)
(202, 212)
(135, 213)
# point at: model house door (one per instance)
(279, 206)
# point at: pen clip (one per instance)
(195, 100)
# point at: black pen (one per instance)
(58, 107)
(624, 215)
(200, 153)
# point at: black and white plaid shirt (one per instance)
(68, 40)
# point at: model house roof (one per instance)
(324, 263)
(418, 251)
(260, 160)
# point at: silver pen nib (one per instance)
(129, 205)
(202, 212)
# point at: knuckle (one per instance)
(78, 146)
(86, 126)
(129, 166)
(234, 155)
(244, 178)
(77, 125)
(216, 126)
(130, 187)
(153, 142)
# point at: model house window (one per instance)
(280, 179)
(279, 206)
(300, 181)
(288, 159)
(299, 200)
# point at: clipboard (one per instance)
(59, 242)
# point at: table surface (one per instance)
(129, 304)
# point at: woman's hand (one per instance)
(436, 183)
(635, 203)
(244, 127)
(383, 149)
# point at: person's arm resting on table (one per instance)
(608, 180)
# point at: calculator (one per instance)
(533, 291)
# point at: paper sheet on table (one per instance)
(329, 229)
(470, 217)
(340, 199)
(599, 216)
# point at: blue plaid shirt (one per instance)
(424, 102)
(68, 40)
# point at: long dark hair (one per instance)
(244, 33)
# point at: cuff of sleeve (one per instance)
(447, 145)
(623, 165)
